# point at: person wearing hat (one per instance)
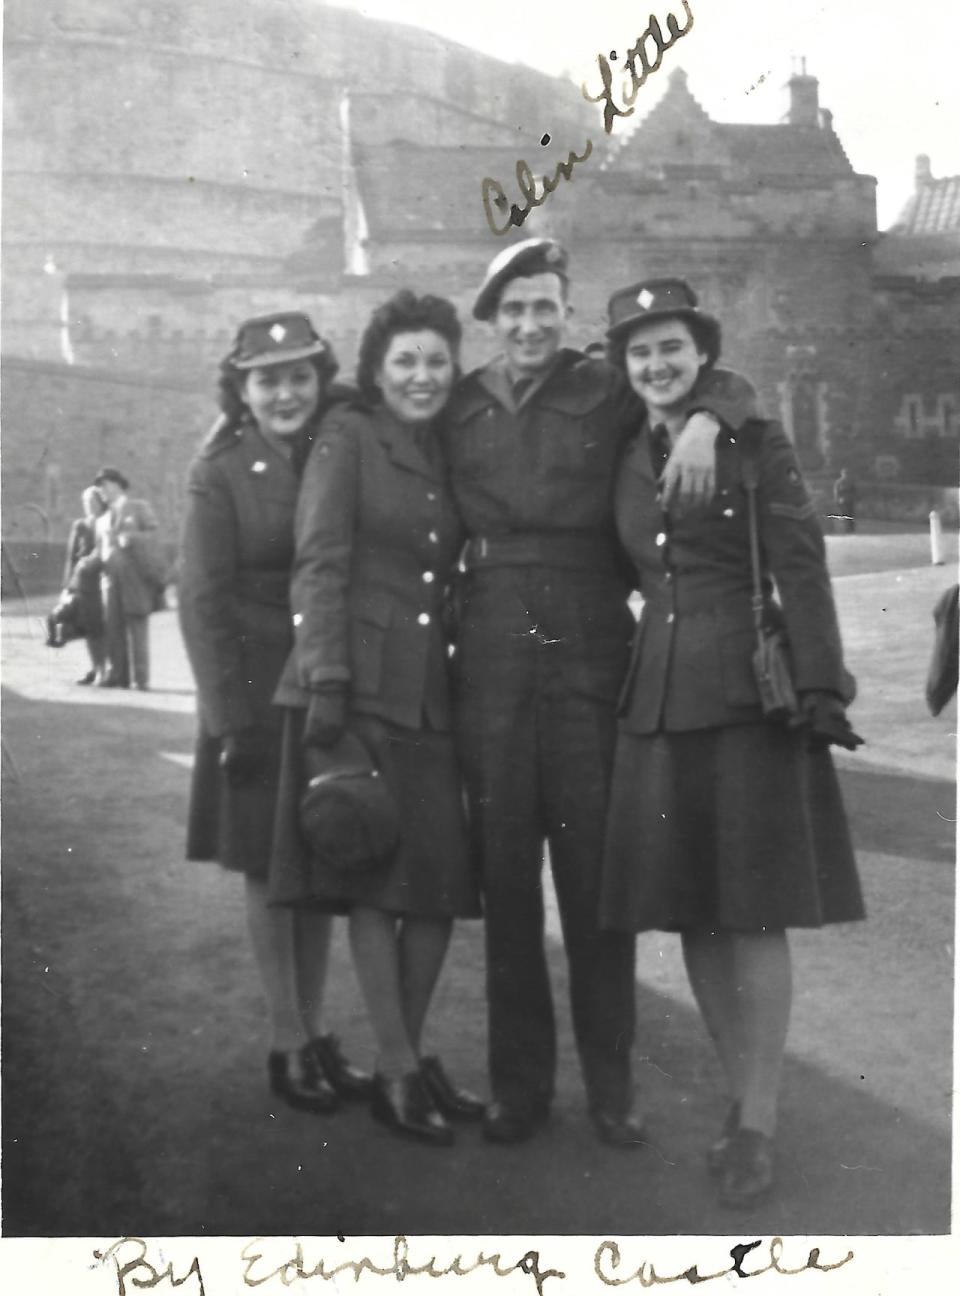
(236, 551)
(726, 824)
(377, 540)
(132, 580)
(533, 440)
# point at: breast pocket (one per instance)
(476, 447)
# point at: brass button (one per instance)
(424, 618)
(428, 578)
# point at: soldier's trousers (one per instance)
(537, 755)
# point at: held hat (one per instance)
(663, 299)
(347, 814)
(275, 339)
(111, 474)
(530, 257)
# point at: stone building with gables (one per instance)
(170, 169)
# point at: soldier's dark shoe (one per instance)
(619, 1131)
(748, 1175)
(719, 1150)
(455, 1103)
(296, 1078)
(503, 1124)
(404, 1105)
(347, 1080)
(88, 678)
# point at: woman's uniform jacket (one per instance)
(691, 664)
(377, 536)
(235, 557)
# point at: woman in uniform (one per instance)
(236, 555)
(377, 536)
(724, 825)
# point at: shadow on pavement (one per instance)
(134, 1084)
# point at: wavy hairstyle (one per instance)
(704, 330)
(231, 380)
(404, 312)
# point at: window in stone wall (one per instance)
(948, 409)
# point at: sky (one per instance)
(887, 70)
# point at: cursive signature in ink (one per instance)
(295, 1267)
(606, 1262)
(129, 1255)
(648, 52)
(494, 195)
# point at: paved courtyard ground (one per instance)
(134, 1095)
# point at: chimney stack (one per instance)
(922, 174)
(804, 98)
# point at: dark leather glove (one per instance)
(242, 756)
(826, 720)
(326, 716)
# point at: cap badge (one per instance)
(277, 332)
(645, 299)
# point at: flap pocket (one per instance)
(374, 607)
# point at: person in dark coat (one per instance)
(81, 584)
(724, 826)
(235, 557)
(132, 580)
(533, 440)
(377, 537)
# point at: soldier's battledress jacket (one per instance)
(534, 486)
(691, 664)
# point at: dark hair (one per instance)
(405, 312)
(704, 330)
(231, 381)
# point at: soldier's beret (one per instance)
(662, 299)
(532, 256)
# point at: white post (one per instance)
(936, 536)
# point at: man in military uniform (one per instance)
(533, 443)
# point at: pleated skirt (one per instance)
(738, 828)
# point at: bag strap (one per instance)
(750, 476)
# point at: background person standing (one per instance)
(132, 581)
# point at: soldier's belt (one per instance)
(543, 549)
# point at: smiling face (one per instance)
(416, 374)
(663, 363)
(530, 322)
(282, 397)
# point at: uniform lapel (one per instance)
(402, 445)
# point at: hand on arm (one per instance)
(690, 475)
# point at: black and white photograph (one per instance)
(480, 510)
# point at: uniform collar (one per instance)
(403, 443)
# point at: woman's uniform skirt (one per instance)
(739, 828)
(430, 875)
(233, 825)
